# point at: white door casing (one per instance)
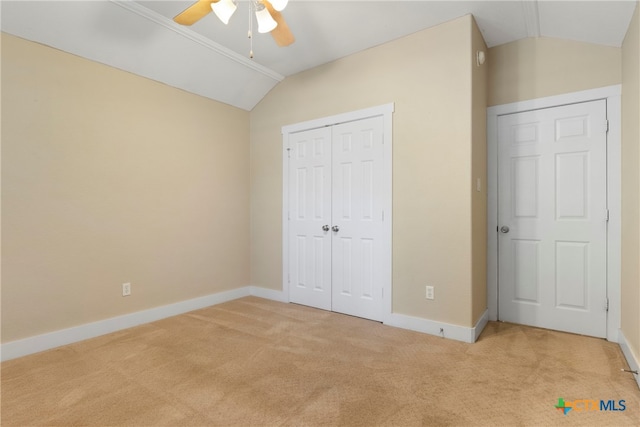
(552, 214)
(612, 95)
(362, 283)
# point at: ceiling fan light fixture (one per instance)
(224, 9)
(279, 5)
(266, 23)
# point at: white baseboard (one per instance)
(35, 344)
(265, 293)
(480, 325)
(38, 343)
(432, 327)
(632, 359)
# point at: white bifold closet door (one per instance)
(336, 218)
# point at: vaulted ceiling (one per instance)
(211, 59)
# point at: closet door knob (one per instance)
(335, 228)
(325, 228)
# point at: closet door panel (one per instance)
(357, 218)
(310, 218)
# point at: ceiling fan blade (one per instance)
(281, 34)
(194, 13)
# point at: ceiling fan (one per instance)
(267, 13)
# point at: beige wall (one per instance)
(479, 171)
(631, 185)
(110, 178)
(428, 75)
(538, 67)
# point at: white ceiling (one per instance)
(211, 59)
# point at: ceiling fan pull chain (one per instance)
(250, 34)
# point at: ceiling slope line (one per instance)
(195, 37)
(531, 17)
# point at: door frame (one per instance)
(612, 95)
(386, 111)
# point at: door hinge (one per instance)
(289, 152)
(606, 126)
(606, 216)
(606, 307)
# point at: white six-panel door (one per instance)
(310, 218)
(336, 218)
(552, 218)
(358, 217)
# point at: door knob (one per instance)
(504, 229)
(325, 228)
(335, 228)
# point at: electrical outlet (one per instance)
(430, 292)
(126, 289)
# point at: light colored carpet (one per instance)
(253, 362)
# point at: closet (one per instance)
(336, 233)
